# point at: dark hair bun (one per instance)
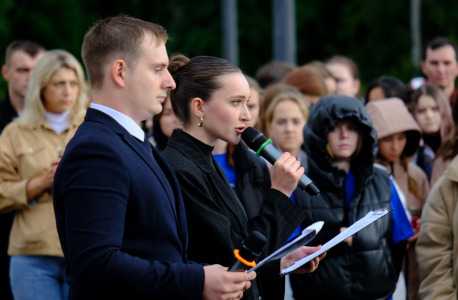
(177, 62)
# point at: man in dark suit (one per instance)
(118, 205)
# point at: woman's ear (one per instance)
(197, 107)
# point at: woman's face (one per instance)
(286, 126)
(391, 147)
(346, 84)
(226, 114)
(253, 107)
(343, 140)
(61, 92)
(376, 94)
(168, 120)
(427, 115)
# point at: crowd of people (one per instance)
(77, 217)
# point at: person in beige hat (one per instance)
(399, 136)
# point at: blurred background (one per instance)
(379, 35)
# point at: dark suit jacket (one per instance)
(124, 235)
(217, 221)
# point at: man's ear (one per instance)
(118, 72)
(5, 73)
(423, 67)
(356, 86)
(197, 107)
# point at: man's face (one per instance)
(440, 66)
(149, 81)
(17, 72)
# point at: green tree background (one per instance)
(376, 34)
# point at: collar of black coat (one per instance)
(183, 142)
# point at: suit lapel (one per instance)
(135, 145)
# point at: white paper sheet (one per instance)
(307, 235)
(371, 217)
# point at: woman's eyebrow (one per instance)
(239, 96)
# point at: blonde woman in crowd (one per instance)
(30, 150)
(398, 138)
(286, 116)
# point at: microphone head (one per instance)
(255, 242)
(253, 138)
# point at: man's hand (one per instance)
(288, 260)
(285, 174)
(223, 285)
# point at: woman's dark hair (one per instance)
(196, 78)
(449, 149)
(390, 86)
(158, 135)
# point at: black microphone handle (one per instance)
(237, 266)
(271, 154)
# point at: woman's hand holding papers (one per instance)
(288, 260)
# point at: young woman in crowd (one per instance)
(341, 149)
(386, 87)
(211, 101)
(447, 151)
(286, 116)
(346, 73)
(399, 136)
(30, 150)
(247, 174)
(163, 125)
(431, 109)
(309, 81)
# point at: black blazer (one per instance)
(121, 219)
(217, 221)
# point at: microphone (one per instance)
(251, 248)
(263, 147)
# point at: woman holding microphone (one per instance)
(211, 101)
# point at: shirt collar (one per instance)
(123, 120)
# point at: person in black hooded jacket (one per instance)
(341, 148)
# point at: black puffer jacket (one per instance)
(365, 270)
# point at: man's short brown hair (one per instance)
(29, 47)
(120, 36)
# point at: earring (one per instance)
(201, 123)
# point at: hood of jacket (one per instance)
(323, 117)
(390, 116)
